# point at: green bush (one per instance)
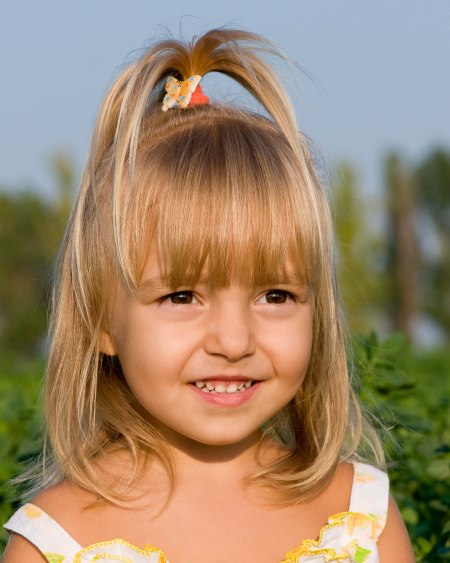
(408, 391)
(20, 429)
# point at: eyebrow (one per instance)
(291, 280)
(155, 284)
(151, 283)
(149, 286)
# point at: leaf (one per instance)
(410, 515)
(439, 469)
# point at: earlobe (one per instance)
(107, 345)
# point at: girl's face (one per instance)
(212, 365)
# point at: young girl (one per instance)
(197, 397)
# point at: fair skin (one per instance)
(171, 345)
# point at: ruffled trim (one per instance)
(357, 532)
(120, 550)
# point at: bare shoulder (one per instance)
(394, 545)
(343, 476)
(58, 498)
(335, 497)
(19, 550)
(51, 501)
(340, 486)
(66, 504)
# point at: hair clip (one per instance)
(183, 92)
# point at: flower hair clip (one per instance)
(183, 92)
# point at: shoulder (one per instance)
(335, 496)
(34, 528)
(339, 489)
(343, 476)
(394, 545)
(370, 494)
(20, 549)
(59, 498)
(340, 485)
(66, 504)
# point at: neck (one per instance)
(213, 462)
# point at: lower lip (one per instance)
(227, 399)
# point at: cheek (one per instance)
(293, 354)
(151, 376)
(152, 356)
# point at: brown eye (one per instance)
(277, 296)
(179, 298)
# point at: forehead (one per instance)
(225, 200)
(154, 278)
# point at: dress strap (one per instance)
(370, 493)
(47, 535)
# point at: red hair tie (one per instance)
(198, 98)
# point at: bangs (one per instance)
(225, 198)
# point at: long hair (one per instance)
(210, 184)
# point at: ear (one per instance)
(107, 345)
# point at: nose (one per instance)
(230, 332)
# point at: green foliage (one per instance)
(400, 274)
(433, 176)
(361, 282)
(30, 232)
(410, 393)
(20, 428)
(433, 180)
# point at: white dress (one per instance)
(348, 537)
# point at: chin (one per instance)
(221, 441)
(226, 439)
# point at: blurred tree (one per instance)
(31, 229)
(28, 241)
(433, 181)
(361, 282)
(403, 254)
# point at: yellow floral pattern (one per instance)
(348, 537)
(32, 511)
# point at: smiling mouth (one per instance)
(222, 387)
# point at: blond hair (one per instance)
(209, 185)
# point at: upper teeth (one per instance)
(235, 387)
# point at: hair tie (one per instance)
(184, 92)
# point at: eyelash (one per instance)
(289, 296)
(166, 298)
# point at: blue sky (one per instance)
(381, 73)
